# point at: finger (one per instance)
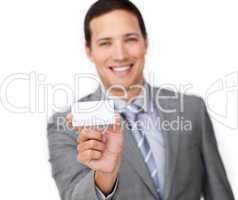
(89, 155)
(87, 134)
(91, 144)
(69, 120)
(116, 127)
(69, 116)
(117, 124)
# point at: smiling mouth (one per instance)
(122, 70)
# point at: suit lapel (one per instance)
(134, 158)
(171, 138)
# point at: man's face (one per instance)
(117, 48)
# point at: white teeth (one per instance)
(120, 69)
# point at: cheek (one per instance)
(138, 51)
(100, 57)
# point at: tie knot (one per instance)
(132, 111)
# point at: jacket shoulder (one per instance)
(186, 100)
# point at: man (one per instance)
(125, 163)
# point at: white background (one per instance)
(191, 42)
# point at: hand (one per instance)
(100, 150)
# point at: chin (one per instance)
(124, 83)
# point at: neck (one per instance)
(127, 93)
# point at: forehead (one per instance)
(114, 24)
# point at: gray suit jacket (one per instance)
(193, 164)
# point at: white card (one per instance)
(93, 113)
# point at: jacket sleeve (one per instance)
(110, 196)
(216, 185)
(74, 180)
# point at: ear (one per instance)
(88, 51)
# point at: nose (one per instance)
(120, 52)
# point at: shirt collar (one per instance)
(143, 99)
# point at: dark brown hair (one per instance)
(101, 7)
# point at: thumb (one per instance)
(117, 126)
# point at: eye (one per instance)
(131, 39)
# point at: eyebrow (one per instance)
(103, 39)
(109, 38)
(132, 34)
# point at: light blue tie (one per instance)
(132, 115)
